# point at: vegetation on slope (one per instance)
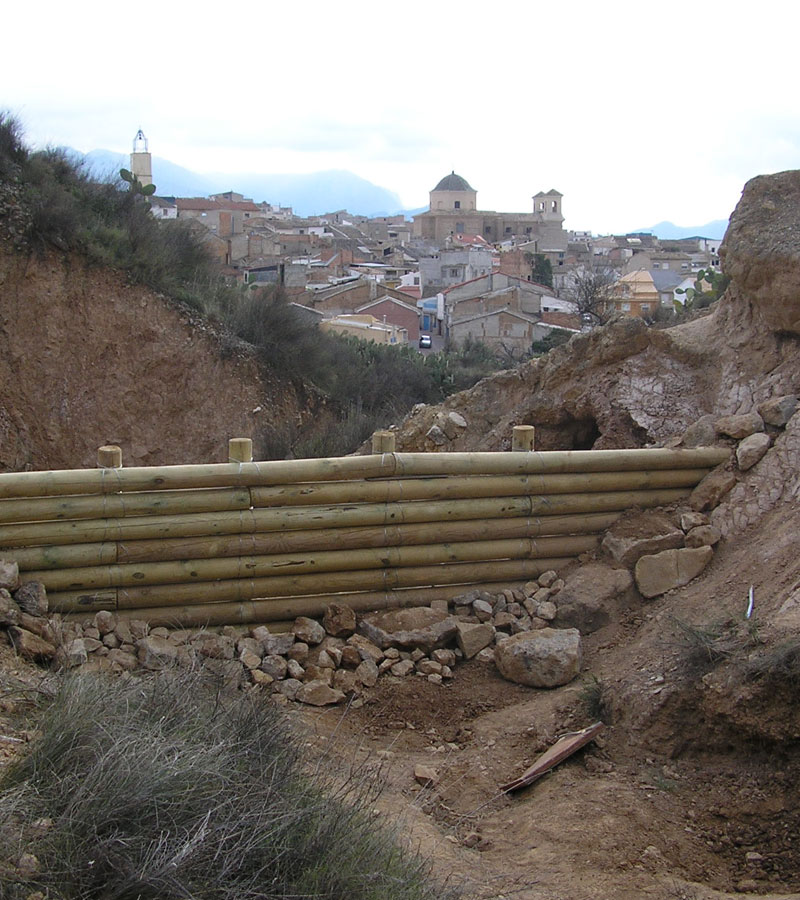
(168, 787)
(47, 200)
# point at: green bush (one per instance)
(169, 788)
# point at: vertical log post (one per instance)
(109, 456)
(522, 437)
(383, 442)
(240, 450)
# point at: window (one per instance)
(528, 230)
(645, 307)
(454, 273)
(508, 230)
(625, 307)
(457, 204)
(554, 207)
(459, 227)
(488, 229)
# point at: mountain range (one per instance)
(312, 194)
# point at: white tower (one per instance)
(141, 164)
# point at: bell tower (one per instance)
(141, 164)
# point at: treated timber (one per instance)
(152, 478)
(300, 585)
(469, 487)
(199, 570)
(316, 517)
(262, 544)
(284, 611)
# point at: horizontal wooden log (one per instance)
(300, 585)
(152, 478)
(107, 506)
(470, 487)
(280, 614)
(326, 561)
(97, 554)
(308, 518)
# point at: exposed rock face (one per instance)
(546, 658)
(636, 535)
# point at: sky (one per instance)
(637, 112)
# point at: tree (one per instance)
(589, 288)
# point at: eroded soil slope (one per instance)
(88, 359)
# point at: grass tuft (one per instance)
(167, 788)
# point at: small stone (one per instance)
(91, 632)
(485, 656)
(712, 489)
(753, 857)
(429, 667)
(365, 647)
(317, 693)
(92, 645)
(482, 610)
(138, 628)
(249, 659)
(105, 621)
(444, 656)
(31, 598)
(123, 632)
(703, 536)
(367, 673)
(111, 641)
(339, 620)
(692, 520)
(289, 688)
(436, 435)
(739, 426)
(778, 410)
(275, 644)
(700, 433)
(30, 645)
(27, 865)
(514, 609)
(752, 450)
(315, 673)
(402, 668)
(121, 660)
(557, 586)
(298, 651)
(9, 611)
(9, 574)
(40, 627)
(447, 672)
(433, 678)
(547, 611)
(427, 776)
(324, 660)
(307, 630)
(257, 676)
(274, 665)
(392, 653)
(295, 670)
(473, 638)
(440, 606)
(155, 652)
(351, 658)
(213, 646)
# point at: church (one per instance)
(454, 210)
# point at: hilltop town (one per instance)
(453, 273)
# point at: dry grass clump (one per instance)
(166, 788)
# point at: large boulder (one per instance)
(409, 629)
(671, 569)
(591, 594)
(640, 534)
(546, 658)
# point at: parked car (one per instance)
(425, 342)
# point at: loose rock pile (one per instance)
(314, 663)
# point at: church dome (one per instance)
(453, 182)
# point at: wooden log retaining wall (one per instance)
(248, 541)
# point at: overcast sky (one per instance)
(635, 111)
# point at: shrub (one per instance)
(167, 788)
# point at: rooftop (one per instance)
(453, 182)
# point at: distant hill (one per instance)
(667, 231)
(312, 194)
